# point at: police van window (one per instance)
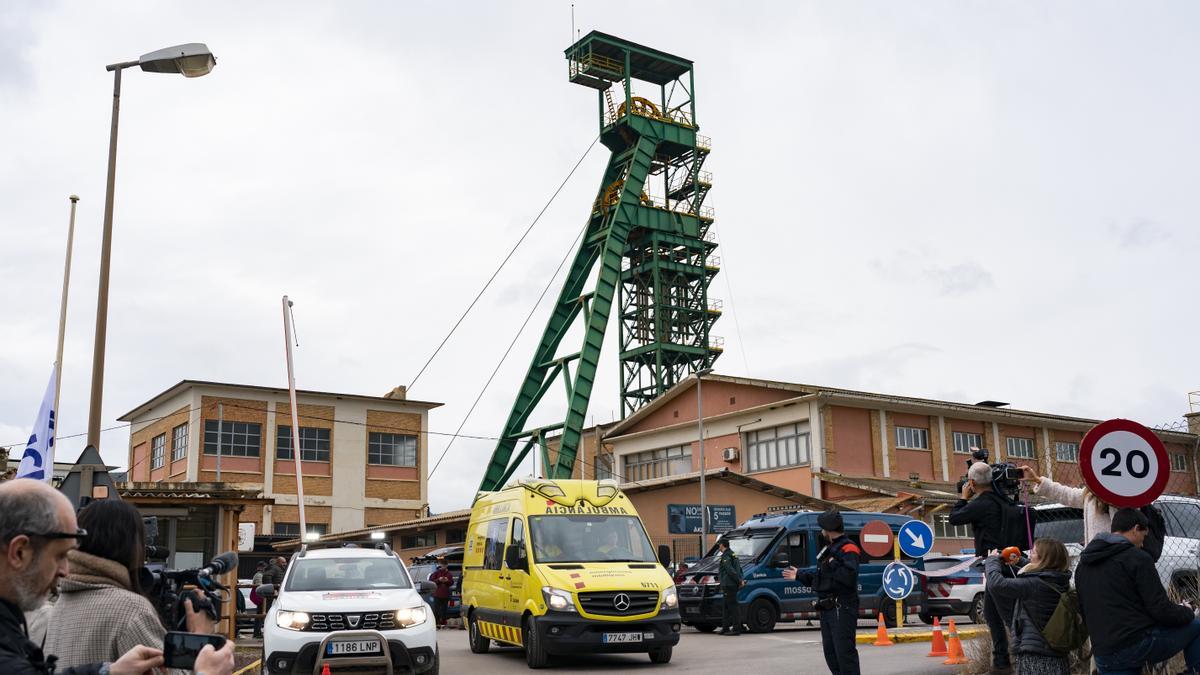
(749, 544)
(797, 550)
(493, 547)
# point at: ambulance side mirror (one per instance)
(664, 555)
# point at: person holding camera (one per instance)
(101, 612)
(996, 526)
(37, 532)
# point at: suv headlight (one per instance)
(411, 616)
(670, 600)
(291, 620)
(558, 599)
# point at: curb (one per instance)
(923, 636)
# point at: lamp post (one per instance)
(700, 444)
(190, 60)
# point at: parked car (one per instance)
(958, 594)
(765, 545)
(423, 566)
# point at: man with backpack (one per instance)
(998, 523)
(1129, 617)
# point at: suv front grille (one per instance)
(323, 623)
(606, 602)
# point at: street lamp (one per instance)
(700, 444)
(190, 60)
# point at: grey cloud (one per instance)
(1139, 233)
(961, 278)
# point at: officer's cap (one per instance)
(831, 521)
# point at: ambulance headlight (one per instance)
(411, 616)
(558, 599)
(670, 600)
(291, 620)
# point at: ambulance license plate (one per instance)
(610, 638)
(352, 647)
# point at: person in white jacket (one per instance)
(1097, 515)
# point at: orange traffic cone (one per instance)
(881, 636)
(956, 652)
(937, 646)
(325, 669)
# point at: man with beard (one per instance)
(37, 529)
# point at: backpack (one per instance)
(1065, 631)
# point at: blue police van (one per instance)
(768, 543)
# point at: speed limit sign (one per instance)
(1124, 463)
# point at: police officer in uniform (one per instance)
(836, 586)
(729, 574)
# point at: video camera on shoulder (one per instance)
(168, 588)
(977, 455)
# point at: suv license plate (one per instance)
(622, 637)
(352, 647)
(691, 610)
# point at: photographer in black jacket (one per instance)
(1129, 617)
(987, 511)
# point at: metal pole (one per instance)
(62, 312)
(700, 445)
(220, 436)
(93, 435)
(287, 343)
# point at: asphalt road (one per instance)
(787, 650)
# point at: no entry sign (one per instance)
(1124, 463)
(876, 539)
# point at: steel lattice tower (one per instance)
(654, 252)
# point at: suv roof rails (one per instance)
(303, 549)
(384, 546)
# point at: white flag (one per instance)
(38, 461)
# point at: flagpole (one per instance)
(62, 310)
(287, 343)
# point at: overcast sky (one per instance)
(957, 200)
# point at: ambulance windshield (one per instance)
(589, 538)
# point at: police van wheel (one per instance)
(704, 627)
(889, 614)
(762, 616)
(535, 651)
(479, 643)
(660, 655)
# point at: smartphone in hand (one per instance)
(181, 649)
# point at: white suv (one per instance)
(349, 607)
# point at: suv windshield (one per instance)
(589, 538)
(346, 574)
(747, 545)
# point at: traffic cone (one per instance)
(325, 669)
(937, 646)
(881, 636)
(956, 652)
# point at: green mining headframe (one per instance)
(649, 233)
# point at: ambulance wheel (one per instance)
(704, 627)
(762, 616)
(479, 643)
(977, 609)
(660, 655)
(535, 651)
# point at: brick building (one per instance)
(363, 458)
(866, 450)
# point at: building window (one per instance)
(963, 442)
(179, 440)
(293, 529)
(604, 466)
(392, 449)
(422, 540)
(943, 528)
(456, 536)
(776, 448)
(658, 463)
(314, 443)
(1178, 462)
(158, 451)
(1020, 448)
(238, 439)
(912, 437)
(1066, 452)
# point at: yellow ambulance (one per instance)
(565, 567)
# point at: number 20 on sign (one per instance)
(1124, 463)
